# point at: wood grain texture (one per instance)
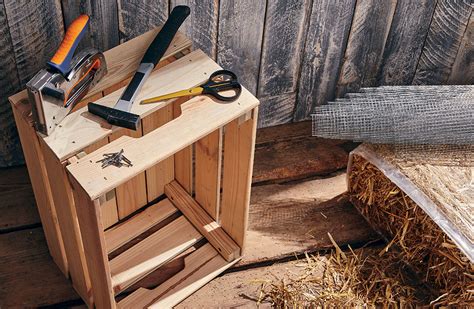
(276, 109)
(240, 39)
(365, 46)
(463, 67)
(138, 16)
(201, 25)
(404, 45)
(103, 30)
(327, 34)
(447, 29)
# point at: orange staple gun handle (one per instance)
(61, 60)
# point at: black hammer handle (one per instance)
(163, 39)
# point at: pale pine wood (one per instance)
(68, 224)
(202, 221)
(162, 173)
(152, 252)
(92, 231)
(208, 172)
(132, 194)
(201, 266)
(239, 146)
(81, 129)
(183, 159)
(38, 176)
(141, 222)
(200, 116)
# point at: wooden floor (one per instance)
(297, 198)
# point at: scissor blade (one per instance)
(182, 93)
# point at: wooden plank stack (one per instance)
(109, 228)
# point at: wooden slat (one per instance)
(66, 211)
(38, 175)
(202, 221)
(447, 28)
(240, 37)
(328, 30)
(369, 31)
(139, 16)
(152, 252)
(201, 266)
(183, 159)
(125, 231)
(277, 109)
(208, 172)
(201, 115)
(131, 195)
(463, 67)
(162, 173)
(103, 32)
(239, 145)
(405, 41)
(201, 25)
(92, 231)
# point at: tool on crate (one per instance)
(116, 159)
(55, 90)
(120, 114)
(218, 82)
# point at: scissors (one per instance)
(218, 82)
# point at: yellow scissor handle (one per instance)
(183, 93)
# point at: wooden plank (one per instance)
(239, 145)
(405, 40)
(208, 172)
(162, 173)
(90, 223)
(201, 116)
(202, 221)
(369, 31)
(132, 194)
(42, 190)
(103, 31)
(127, 230)
(463, 67)
(201, 266)
(240, 37)
(328, 31)
(138, 16)
(283, 43)
(68, 224)
(449, 23)
(201, 25)
(276, 110)
(183, 159)
(152, 252)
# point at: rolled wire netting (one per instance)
(412, 115)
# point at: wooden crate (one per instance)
(181, 201)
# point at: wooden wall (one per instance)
(293, 54)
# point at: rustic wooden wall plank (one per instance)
(448, 26)
(463, 68)
(278, 109)
(201, 25)
(369, 30)
(240, 39)
(328, 30)
(405, 41)
(103, 31)
(283, 43)
(138, 16)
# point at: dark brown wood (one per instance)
(369, 30)
(327, 34)
(201, 25)
(463, 67)
(447, 29)
(240, 39)
(103, 32)
(405, 41)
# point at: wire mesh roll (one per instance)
(400, 115)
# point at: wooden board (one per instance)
(240, 37)
(328, 30)
(447, 28)
(280, 107)
(463, 67)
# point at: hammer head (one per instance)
(115, 117)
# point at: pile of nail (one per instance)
(116, 159)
